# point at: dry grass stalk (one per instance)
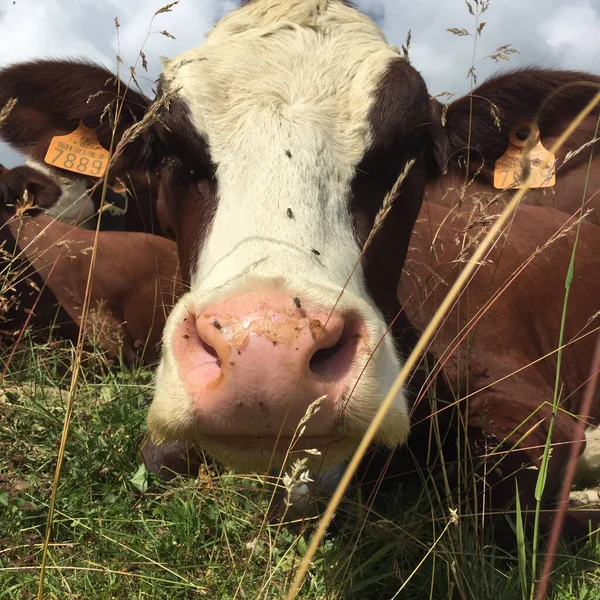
(572, 153)
(564, 231)
(387, 204)
(6, 109)
(380, 217)
(299, 475)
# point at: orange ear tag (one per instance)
(79, 152)
(508, 171)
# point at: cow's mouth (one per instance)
(281, 444)
(264, 453)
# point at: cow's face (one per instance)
(285, 131)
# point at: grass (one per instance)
(210, 537)
(119, 532)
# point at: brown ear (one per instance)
(43, 191)
(54, 96)
(482, 121)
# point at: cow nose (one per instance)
(313, 346)
(252, 365)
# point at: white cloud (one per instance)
(188, 22)
(48, 28)
(573, 33)
(546, 32)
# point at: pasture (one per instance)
(122, 533)
(305, 287)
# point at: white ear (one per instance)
(165, 61)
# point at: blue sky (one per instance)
(555, 33)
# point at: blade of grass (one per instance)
(522, 556)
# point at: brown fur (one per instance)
(135, 282)
(516, 332)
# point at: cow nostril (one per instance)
(210, 351)
(322, 356)
(333, 362)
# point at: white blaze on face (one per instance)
(284, 106)
(281, 91)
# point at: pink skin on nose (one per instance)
(254, 363)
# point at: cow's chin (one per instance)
(269, 455)
(266, 454)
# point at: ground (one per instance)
(120, 533)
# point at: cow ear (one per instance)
(43, 191)
(479, 124)
(53, 97)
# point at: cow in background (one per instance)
(130, 203)
(45, 265)
(131, 196)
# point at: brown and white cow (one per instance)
(276, 141)
(44, 265)
(130, 203)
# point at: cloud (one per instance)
(546, 32)
(53, 28)
(572, 33)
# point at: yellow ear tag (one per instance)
(508, 171)
(79, 152)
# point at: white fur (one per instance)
(74, 206)
(588, 465)
(585, 497)
(277, 77)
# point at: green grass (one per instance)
(210, 537)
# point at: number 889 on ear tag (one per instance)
(79, 152)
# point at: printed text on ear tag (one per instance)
(79, 152)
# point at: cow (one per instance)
(278, 143)
(45, 265)
(130, 204)
(498, 344)
(504, 396)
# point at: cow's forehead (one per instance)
(277, 66)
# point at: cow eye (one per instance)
(194, 178)
(198, 174)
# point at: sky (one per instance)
(553, 33)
